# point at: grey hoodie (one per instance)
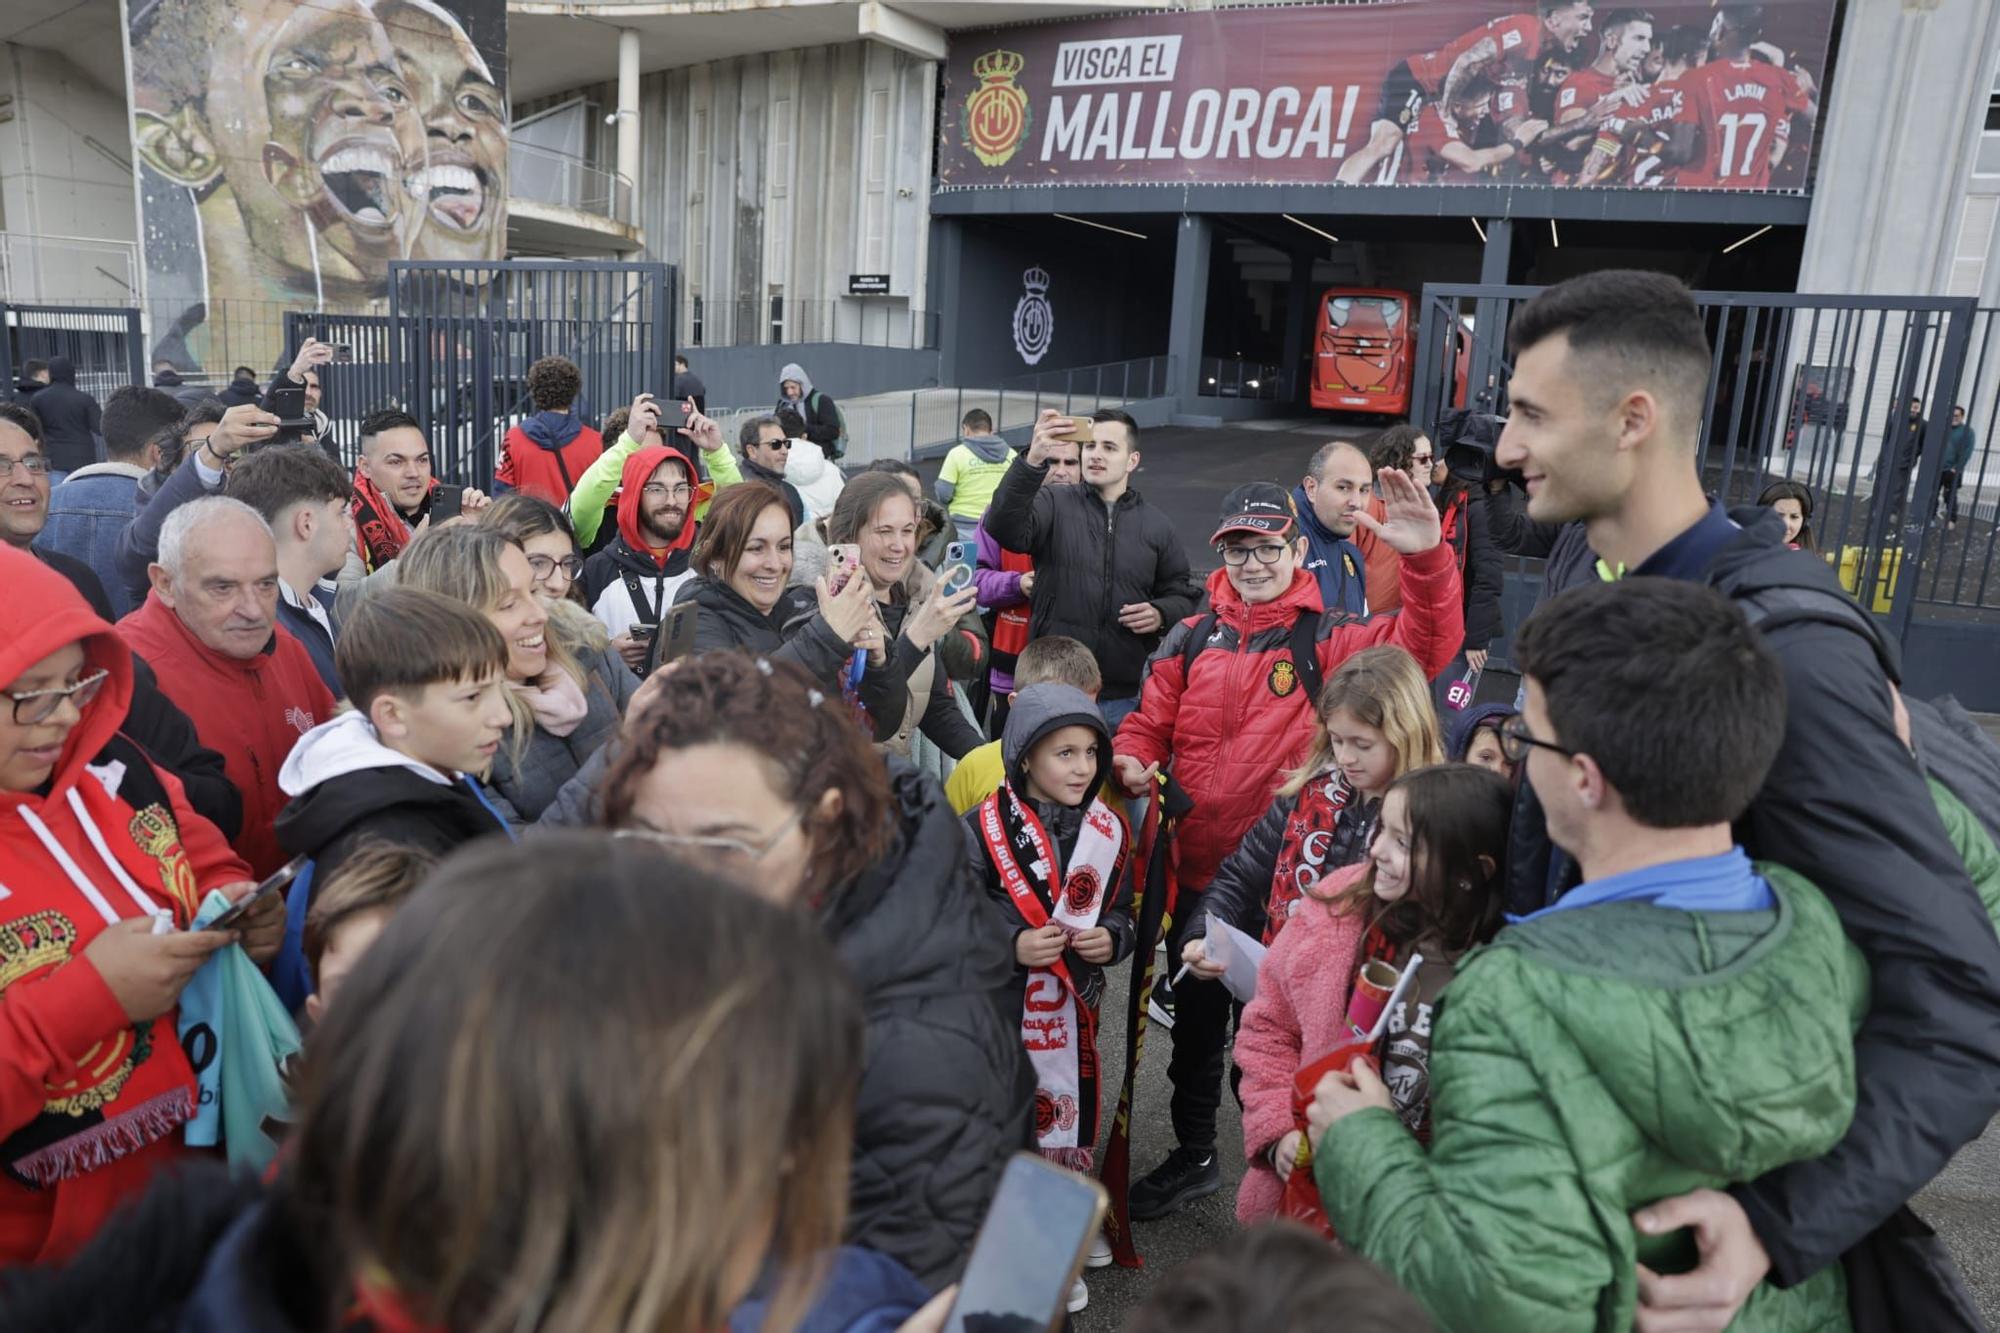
(794, 371)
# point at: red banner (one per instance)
(1680, 94)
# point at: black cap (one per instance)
(1259, 506)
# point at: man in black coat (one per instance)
(1610, 373)
(687, 385)
(71, 418)
(1110, 570)
(766, 449)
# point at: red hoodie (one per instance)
(535, 469)
(251, 712)
(1239, 719)
(639, 467)
(91, 1104)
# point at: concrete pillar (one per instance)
(628, 120)
(1190, 308)
(1301, 309)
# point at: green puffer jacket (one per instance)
(1588, 1063)
(1975, 848)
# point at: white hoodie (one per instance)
(347, 744)
(819, 481)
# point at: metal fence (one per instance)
(105, 344)
(1850, 396)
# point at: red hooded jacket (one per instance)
(91, 1104)
(251, 712)
(639, 467)
(1241, 718)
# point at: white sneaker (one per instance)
(1100, 1253)
(1079, 1297)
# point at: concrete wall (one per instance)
(748, 376)
(65, 172)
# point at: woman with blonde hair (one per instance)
(566, 701)
(517, 1119)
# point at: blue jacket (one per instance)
(86, 515)
(305, 627)
(864, 1292)
(1337, 563)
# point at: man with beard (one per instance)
(293, 129)
(630, 583)
(462, 184)
(1336, 488)
(393, 486)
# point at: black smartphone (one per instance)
(673, 637)
(276, 882)
(1030, 1248)
(287, 402)
(343, 353)
(449, 502)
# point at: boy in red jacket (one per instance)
(97, 842)
(1225, 700)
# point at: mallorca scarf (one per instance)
(1010, 625)
(383, 531)
(1058, 1024)
(1327, 829)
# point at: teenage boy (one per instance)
(1110, 570)
(1229, 703)
(1610, 377)
(427, 678)
(351, 909)
(972, 472)
(1056, 660)
(304, 496)
(1682, 1019)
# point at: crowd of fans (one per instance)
(700, 870)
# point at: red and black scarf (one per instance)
(383, 530)
(1328, 828)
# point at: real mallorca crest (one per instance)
(997, 114)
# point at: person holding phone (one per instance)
(97, 1088)
(304, 372)
(644, 424)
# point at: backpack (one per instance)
(838, 449)
(1304, 646)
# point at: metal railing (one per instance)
(37, 268)
(567, 181)
(104, 343)
(777, 320)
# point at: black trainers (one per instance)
(1160, 1006)
(1185, 1176)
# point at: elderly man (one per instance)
(210, 630)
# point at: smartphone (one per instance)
(673, 638)
(1030, 1248)
(449, 502)
(1082, 430)
(287, 402)
(955, 574)
(276, 882)
(343, 353)
(845, 558)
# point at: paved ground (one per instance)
(1187, 472)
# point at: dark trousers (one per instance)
(1202, 1014)
(1947, 495)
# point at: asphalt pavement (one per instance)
(1187, 472)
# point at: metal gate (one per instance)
(104, 342)
(1849, 395)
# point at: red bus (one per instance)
(1365, 349)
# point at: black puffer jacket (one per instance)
(1479, 566)
(794, 631)
(71, 419)
(946, 1095)
(1089, 561)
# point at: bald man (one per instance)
(1337, 485)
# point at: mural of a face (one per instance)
(462, 184)
(323, 125)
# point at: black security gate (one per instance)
(105, 343)
(1850, 396)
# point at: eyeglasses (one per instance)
(654, 490)
(1240, 555)
(545, 565)
(1515, 742)
(730, 849)
(36, 465)
(1420, 460)
(34, 707)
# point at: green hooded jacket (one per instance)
(1588, 1063)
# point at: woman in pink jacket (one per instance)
(1430, 886)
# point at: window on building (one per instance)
(1993, 106)
(696, 250)
(875, 184)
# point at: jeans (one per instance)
(1117, 710)
(1202, 1013)
(1947, 495)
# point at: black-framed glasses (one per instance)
(34, 707)
(1240, 555)
(36, 464)
(545, 565)
(1515, 742)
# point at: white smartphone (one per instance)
(1030, 1249)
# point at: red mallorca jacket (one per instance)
(1242, 717)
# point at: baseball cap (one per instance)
(1258, 506)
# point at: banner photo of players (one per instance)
(288, 150)
(1680, 94)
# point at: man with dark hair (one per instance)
(1610, 375)
(203, 472)
(33, 379)
(630, 583)
(687, 385)
(552, 448)
(243, 387)
(92, 507)
(1335, 491)
(766, 450)
(394, 487)
(1740, 109)
(1681, 1018)
(1625, 39)
(71, 419)
(1110, 570)
(304, 496)
(1959, 447)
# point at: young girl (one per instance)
(1055, 853)
(1431, 887)
(1376, 723)
(1794, 503)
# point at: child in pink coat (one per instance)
(1431, 887)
